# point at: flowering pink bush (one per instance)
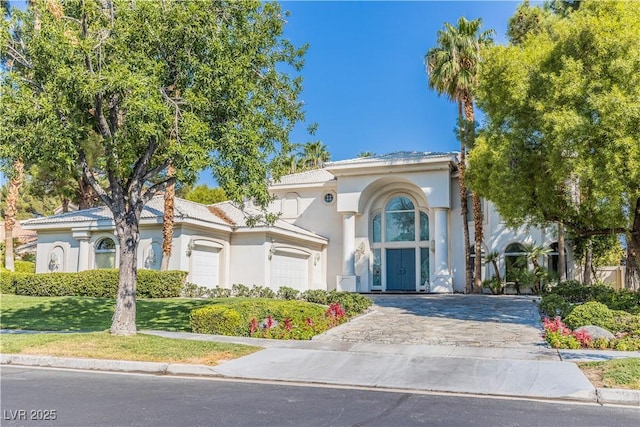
(583, 336)
(287, 324)
(253, 327)
(555, 325)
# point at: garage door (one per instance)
(289, 270)
(205, 266)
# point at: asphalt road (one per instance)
(48, 397)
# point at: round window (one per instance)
(328, 198)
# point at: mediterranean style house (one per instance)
(387, 223)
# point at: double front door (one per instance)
(401, 269)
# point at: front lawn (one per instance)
(102, 345)
(93, 314)
(617, 373)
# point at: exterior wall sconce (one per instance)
(432, 245)
(272, 251)
(316, 259)
(54, 262)
(190, 247)
(360, 251)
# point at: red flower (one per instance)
(287, 324)
(254, 325)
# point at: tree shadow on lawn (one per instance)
(95, 314)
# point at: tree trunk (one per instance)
(562, 271)
(495, 269)
(167, 221)
(124, 316)
(632, 270)
(478, 237)
(10, 213)
(85, 194)
(65, 204)
(588, 261)
(469, 141)
(464, 208)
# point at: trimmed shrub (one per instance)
(262, 292)
(160, 284)
(216, 319)
(219, 292)
(99, 283)
(317, 296)
(590, 313)
(554, 305)
(353, 303)
(25, 267)
(8, 282)
(287, 293)
(266, 318)
(240, 290)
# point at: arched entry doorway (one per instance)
(400, 245)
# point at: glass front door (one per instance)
(401, 269)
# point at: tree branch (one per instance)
(154, 171)
(139, 170)
(91, 179)
(156, 188)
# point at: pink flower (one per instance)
(287, 324)
(254, 325)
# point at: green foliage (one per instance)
(318, 296)
(554, 305)
(191, 290)
(575, 292)
(590, 313)
(101, 283)
(206, 195)
(494, 285)
(285, 292)
(218, 320)
(236, 317)
(352, 303)
(562, 123)
(240, 290)
(557, 340)
(25, 267)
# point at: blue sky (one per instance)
(364, 79)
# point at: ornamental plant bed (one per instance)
(277, 319)
(558, 335)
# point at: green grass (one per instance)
(92, 314)
(617, 373)
(102, 345)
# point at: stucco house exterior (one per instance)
(388, 223)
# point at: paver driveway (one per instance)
(460, 320)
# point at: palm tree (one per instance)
(10, 212)
(452, 66)
(493, 258)
(314, 154)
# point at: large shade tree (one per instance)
(562, 131)
(188, 84)
(452, 66)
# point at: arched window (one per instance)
(105, 253)
(400, 246)
(400, 220)
(515, 260)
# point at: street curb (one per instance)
(85, 364)
(601, 395)
(618, 396)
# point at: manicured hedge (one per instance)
(93, 283)
(268, 318)
(25, 267)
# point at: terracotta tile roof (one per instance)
(23, 236)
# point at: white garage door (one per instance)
(205, 266)
(289, 270)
